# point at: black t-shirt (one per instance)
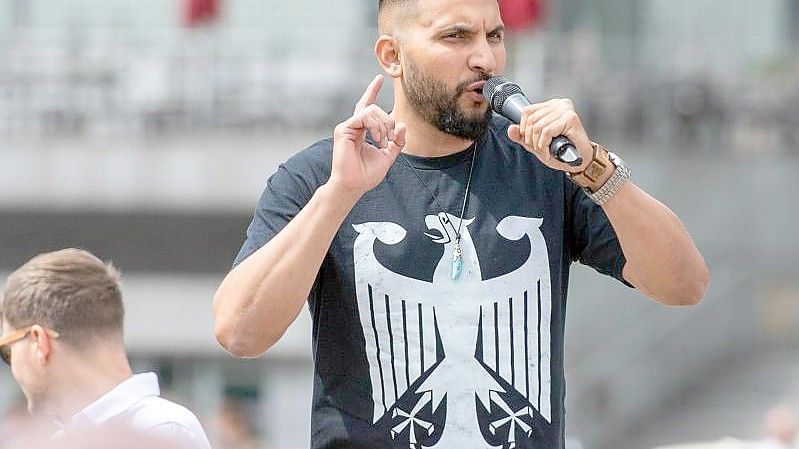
(405, 355)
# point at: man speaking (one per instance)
(433, 246)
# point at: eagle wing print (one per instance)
(397, 316)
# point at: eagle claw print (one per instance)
(457, 363)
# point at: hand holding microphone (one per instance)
(548, 129)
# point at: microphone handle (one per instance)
(561, 148)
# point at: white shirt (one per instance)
(136, 403)
(773, 444)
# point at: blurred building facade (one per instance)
(651, 70)
(148, 142)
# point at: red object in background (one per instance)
(521, 14)
(200, 12)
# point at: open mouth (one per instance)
(476, 87)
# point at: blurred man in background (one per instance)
(233, 428)
(435, 254)
(62, 322)
(781, 429)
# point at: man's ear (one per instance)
(388, 55)
(42, 344)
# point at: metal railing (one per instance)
(200, 80)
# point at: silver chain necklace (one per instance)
(457, 252)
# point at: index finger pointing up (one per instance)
(370, 96)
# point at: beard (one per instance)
(438, 106)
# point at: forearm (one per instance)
(261, 297)
(662, 260)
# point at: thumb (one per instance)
(398, 143)
(515, 134)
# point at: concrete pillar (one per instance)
(286, 393)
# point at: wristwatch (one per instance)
(588, 179)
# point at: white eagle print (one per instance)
(455, 363)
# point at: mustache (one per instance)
(464, 84)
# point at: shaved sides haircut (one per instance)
(388, 11)
(70, 291)
(383, 4)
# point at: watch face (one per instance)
(594, 171)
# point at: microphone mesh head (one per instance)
(497, 89)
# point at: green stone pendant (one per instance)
(457, 261)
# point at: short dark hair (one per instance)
(70, 291)
(384, 5)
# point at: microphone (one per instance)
(507, 100)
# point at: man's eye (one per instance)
(454, 36)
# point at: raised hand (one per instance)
(358, 165)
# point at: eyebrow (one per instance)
(464, 28)
(498, 29)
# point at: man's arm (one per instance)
(261, 297)
(662, 260)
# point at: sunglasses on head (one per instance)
(8, 340)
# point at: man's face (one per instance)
(25, 369)
(449, 48)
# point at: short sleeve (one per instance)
(280, 202)
(591, 238)
(287, 191)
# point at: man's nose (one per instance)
(483, 58)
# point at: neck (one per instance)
(84, 378)
(422, 138)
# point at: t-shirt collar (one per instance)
(440, 162)
(450, 160)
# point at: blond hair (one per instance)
(70, 291)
